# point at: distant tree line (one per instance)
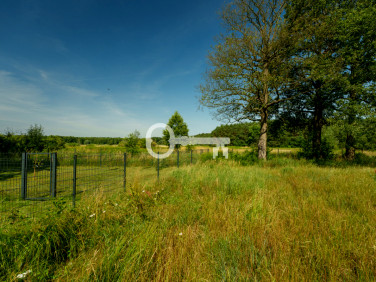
(247, 134)
(283, 135)
(34, 140)
(92, 140)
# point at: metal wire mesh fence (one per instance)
(10, 178)
(35, 183)
(32, 184)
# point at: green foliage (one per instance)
(248, 66)
(283, 134)
(159, 141)
(325, 153)
(203, 135)
(133, 142)
(334, 64)
(8, 143)
(93, 140)
(190, 147)
(364, 160)
(142, 143)
(247, 134)
(35, 139)
(246, 158)
(54, 143)
(254, 134)
(204, 157)
(239, 133)
(363, 130)
(178, 126)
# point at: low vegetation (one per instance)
(283, 219)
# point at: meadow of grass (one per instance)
(278, 220)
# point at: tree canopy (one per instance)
(178, 126)
(334, 64)
(247, 72)
(297, 60)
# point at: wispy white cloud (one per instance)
(77, 91)
(70, 111)
(18, 94)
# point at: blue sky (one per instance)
(104, 68)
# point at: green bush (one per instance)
(204, 157)
(364, 160)
(326, 150)
(246, 158)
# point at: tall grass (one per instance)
(279, 220)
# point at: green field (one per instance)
(278, 220)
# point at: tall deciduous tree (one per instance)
(333, 61)
(178, 126)
(357, 41)
(317, 68)
(247, 72)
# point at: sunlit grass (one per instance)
(277, 220)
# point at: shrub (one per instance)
(246, 158)
(326, 150)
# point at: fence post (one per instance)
(158, 166)
(125, 172)
(74, 180)
(53, 175)
(177, 157)
(24, 176)
(191, 156)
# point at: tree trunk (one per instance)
(263, 136)
(350, 139)
(350, 147)
(316, 136)
(264, 115)
(318, 122)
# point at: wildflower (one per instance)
(104, 211)
(181, 234)
(116, 204)
(143, 191)
(92, 215)
(23, 275)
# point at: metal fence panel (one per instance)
(32, 184)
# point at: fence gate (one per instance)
(38, 176)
